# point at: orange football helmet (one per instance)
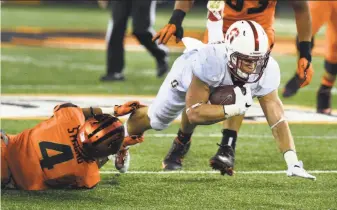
(101, 136)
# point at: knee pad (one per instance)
(330, 67)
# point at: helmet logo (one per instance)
(232, 34)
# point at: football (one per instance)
(223, 95)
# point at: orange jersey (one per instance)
(262, 12)
(325, 12)
(48, 156)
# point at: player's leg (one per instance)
(114, 38)
(224, 158)
(329, 76)
(320, 13)
(180, 146)
(166, 107)
(143, 18)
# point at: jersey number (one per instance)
(239, 5)
(49, 161)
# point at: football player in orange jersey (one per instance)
(64, 151)
(263, 13)
(322, 12)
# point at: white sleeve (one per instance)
(207, 66)
(270, 80)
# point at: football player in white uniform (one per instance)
(240, 58)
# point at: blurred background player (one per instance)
(261, 12)
(322, 12)
(143, 17)
(65, 151)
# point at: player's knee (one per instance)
(155, 121)
(157, 125)
(331, 68)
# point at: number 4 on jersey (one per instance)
(49, 161)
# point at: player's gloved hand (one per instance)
(127, 108)
(243, 100)
(298, 170)
(304, 70)
(172, 28)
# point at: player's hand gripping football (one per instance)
(172, 28)
(304, 71)
(298, 170)
(243, 100)
(127, 108)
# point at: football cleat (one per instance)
(175, 156)
(324, 100)
(122, 160)
(215, 10)
(223, 160)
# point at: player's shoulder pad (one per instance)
(209, 65)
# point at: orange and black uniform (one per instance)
(48, 155)
(262, 12)
(325, 12)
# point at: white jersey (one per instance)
(209, 64)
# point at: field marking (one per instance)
(14, 106)
(160, 135)
(216, 172)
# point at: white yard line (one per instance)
(216, 172)
(161, 135)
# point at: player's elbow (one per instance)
(194, 116)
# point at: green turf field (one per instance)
(315, 145)
(259, 182)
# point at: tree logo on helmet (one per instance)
(232, 34)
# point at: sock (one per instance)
(215, 33)
(184, 138)
(290, 157)
(229, 138)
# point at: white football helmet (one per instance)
(247, 44)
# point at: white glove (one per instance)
(242, 102)
(298, 170)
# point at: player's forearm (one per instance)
(184, 5)
(303, 20)
(206, 114)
